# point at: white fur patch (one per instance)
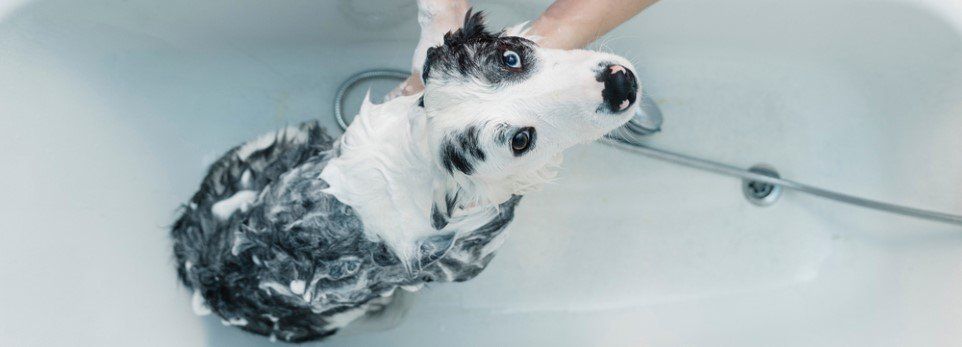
(342, 319)
(234, 321)
(199, 305)
(290, 133)
(269, 286)
(239, 201)
(413, 288)
(386, 174)
(298, 286)
(246, 179)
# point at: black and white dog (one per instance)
(296, 234)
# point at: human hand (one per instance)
(436, 18)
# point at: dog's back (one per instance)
(244, 168)
(205, 237)
(265, 248)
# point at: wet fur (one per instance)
(243, 266)
(296, 234)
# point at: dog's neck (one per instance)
(383, 167)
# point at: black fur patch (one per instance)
(438, 219)
(462, 151)
(452, 159)
(426, 69)
(473, 29)
(450, 200)
(469, 142)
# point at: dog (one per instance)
(296, 234)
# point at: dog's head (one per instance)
(499, 106)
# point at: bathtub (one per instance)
(111, 111)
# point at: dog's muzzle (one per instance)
(621, 88)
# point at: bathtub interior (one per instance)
(113, 109)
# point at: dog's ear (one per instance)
(426, 69)
(473, 29)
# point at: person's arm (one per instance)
(566, 24)
(571, 24)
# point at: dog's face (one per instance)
(500, 105)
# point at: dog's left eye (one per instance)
(522, 140)
(511, 59)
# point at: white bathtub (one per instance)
(111, 110)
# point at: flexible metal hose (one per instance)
(728, 170)
(349, 84)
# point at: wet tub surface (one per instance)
(111, 111)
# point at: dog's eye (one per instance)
(511, 59)
(522, 140)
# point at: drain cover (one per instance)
(762, 193)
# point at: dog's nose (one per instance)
(621, 87)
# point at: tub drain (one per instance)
(762, 193)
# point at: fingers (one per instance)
(410, 86)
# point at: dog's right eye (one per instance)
(522, 140)
(511, 59)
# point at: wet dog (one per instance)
(296, 234)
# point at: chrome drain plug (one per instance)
(762, 193)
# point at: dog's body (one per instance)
(295, 234)
(264, 246)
